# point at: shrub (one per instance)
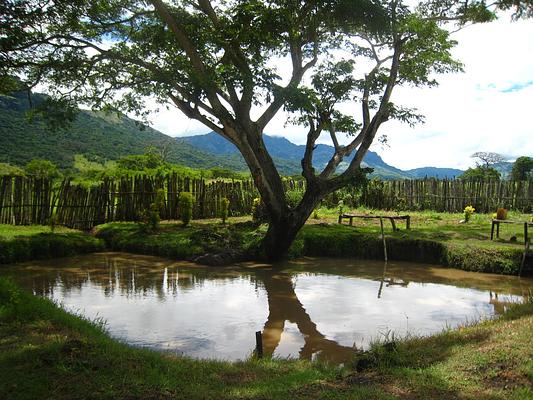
(47, 245)
(224, 209)
(159, 201)
(293, 197)
(259, 213)
(185, 203)
(153, 217)
(149, 219)
(348, 200)
(469, 210)
(341, 207)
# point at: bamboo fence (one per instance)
(448, 195)
(27, 201)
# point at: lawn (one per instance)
(8, 232)
(439, 226)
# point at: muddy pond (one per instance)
(308, 308)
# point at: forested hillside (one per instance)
(95, 135)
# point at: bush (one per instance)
(185, 203)
(469, 210)
(159, 201)
(150, 218)
(224, 209)
(293, 197)
(259, 213)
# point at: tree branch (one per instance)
(297, 74)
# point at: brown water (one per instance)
(310, 308)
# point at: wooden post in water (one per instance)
(259, 344)
(383, 238)
(382, 280)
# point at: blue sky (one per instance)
(489, 107)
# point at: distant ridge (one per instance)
(282, 149)
(434, 172)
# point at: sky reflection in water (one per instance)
(311, 308)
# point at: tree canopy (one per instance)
(481, 174)
(41, 169)
(484, 159)
(522, 169)
(225, 64)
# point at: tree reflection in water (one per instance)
(283, 305)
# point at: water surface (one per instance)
(309, 308)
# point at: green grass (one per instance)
(435, 238)
(33, 245)
(48, 353)
(8, 232)
(176, 241)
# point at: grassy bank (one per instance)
(434, 238)
(23, 243)
(48, 353)
(175, 241)
(342, 241)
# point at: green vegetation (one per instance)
(481, 173)
(41, 169)
(522, 169)
(48, 353)
(435, 238)
(8, 232)
(97, 136)
(176, 241)
(229, 54)
(224, 209)
(38, 242)
(185, 202)
(151, 217)
(8, 169)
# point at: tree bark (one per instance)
(282, 231)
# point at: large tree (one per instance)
(219, 63)
(522, 169)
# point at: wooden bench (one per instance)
(391, 218)
(496, 223)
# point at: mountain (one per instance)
(504, 168)
(99, 136)
(95, 135)
(281, 148)
(441, 173)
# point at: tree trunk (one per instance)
(282, 231)
(279, 238)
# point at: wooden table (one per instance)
(391, 218)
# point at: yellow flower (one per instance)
(469, 209)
